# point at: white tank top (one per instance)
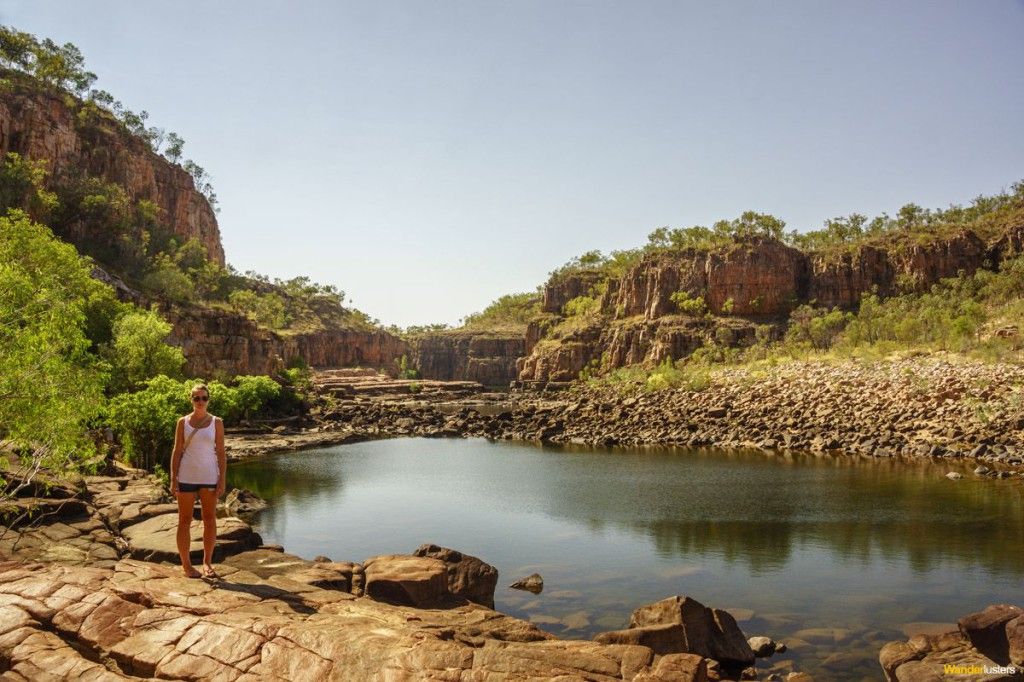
(199, 461)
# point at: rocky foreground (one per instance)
(92, 591)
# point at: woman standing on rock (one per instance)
(198, 466)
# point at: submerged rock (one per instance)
(532, 583)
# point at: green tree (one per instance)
(22, 185)
(139, 350)
(167, 280)
(50, 383)
(255, 393)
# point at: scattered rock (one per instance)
(532, 583)
(954, 476)
(762, 646)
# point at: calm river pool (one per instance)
(833, 555)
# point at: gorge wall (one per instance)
(749, 288)
(220, 344)
(40, 125)
(486, 357)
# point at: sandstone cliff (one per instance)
(219, 343)
(41, 126)
(488, 357)
(749, 287)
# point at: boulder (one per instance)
(154, 539)
(711, 633)
(926, 657)
(406, 580)
(986, 630)
(532, 583)
(1015, 640)
(661, 639)
(267, 563)
(242, 502)
(762, 646)
(468, 576)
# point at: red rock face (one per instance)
(762, 277)
(40, 126)
(488, 358)
(217, 344)
(563, 288)
(764, 280)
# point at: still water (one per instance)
(833, 555)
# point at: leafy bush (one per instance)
(166, 280)
(254, 393)
(687, 305)
(145, 420)
(139, 351)
(508, 310)
(816, 327)
(267, 310)
(406, 370)
(581, 306)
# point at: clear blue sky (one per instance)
(427, 157)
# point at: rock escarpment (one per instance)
(218, 343)
(754, 282)
(488, 357)
(40, 125)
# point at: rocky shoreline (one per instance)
(934, 407)
(93, 592)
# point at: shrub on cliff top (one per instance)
(508, 310)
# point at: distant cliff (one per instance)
(488, 357)
(749, 287)
(218, 344)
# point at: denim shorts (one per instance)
(194, 487)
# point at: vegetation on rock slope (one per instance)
(131, 239)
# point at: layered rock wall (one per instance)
(219, 344)
(41, 126)
(485, 357)
(754, 282)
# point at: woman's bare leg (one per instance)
(186, 501)
(208, 500)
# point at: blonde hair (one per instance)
(198, 387)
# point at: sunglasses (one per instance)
(200, 398)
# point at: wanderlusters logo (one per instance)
(954, 669)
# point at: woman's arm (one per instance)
(179, 445)
(222, 457)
